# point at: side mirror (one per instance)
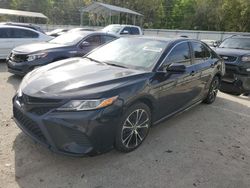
(125, 32)
(177, 68)
(84, 44)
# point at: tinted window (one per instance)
(94, 40)
(134, 31)
(106, 38)
(180, 54)
(3, 33)
(200, 52)
(126, 30)
(22, 33)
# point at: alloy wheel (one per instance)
(135, 128)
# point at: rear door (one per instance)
(203, 63)
(23, 36)
(177, 90)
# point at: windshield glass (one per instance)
(68, 39)
(112, 28)
(236, 43)
(136, 53)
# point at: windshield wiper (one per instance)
(91, 59)
(116, 65)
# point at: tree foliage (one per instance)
(223, 15)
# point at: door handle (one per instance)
(192, 73)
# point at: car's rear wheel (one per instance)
(134, 127)
(213, 90)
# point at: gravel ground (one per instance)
(207, 146)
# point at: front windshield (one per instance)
(136, 53)
(112, 28)
(68, 39)
(236, 43)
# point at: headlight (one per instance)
(80, 105)
(33, 57)
(246, 58)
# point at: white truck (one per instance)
(123, 29)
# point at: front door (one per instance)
(176, 90)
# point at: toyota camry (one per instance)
(112, 96)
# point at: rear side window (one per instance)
(134, 31)
(107, 38)
(23, 33)
(180, 54)
(17, 33)
(200, 51)
(126, 30)
(3, 33)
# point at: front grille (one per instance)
(229, 58)
(17, 58)
(41, 110)
(38, 106)
(35, 100)
(29, 125)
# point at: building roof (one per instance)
(22, 13)
(97, 7)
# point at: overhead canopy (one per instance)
(97, 7)
(22, 13)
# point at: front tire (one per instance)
(133, 128)
(213, 90)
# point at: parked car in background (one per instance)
(12, 36)
(123, 29)
(25, 58)
(81, 29)
(56, 32)
(27, 25)
(235, 51)
(112, 96)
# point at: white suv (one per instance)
(13, 36)
(123, 29)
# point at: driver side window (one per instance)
(180, 54)
(94, 40)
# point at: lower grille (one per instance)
(29, 125)
(62, 135)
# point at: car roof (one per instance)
(241, 36)
(164, 39)
(18, 27)
(123, 25)
(96, 32)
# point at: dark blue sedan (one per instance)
(25, 58)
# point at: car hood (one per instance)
(231, 52)
(35, 47)
(76, 77)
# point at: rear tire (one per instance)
(134, 127)
(213, 90)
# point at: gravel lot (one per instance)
(207, 146)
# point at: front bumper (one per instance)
(71, 133)
(236, 80)
(22, 68)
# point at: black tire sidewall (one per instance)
(208, 100)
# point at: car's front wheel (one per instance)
(213, 90)
(134, 127)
